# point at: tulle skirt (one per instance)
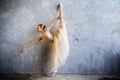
(60, 48)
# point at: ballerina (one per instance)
(59, 40)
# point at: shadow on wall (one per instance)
(45, 59)
(5, 6)
(105, 78)
(113, 64)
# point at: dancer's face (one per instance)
(41, 28)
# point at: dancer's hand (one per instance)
(22, 49)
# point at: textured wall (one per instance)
(93, 30)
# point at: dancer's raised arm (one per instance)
(52, 23)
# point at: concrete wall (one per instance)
(93, 30)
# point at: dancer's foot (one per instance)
(53, 74)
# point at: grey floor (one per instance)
(59, 77)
